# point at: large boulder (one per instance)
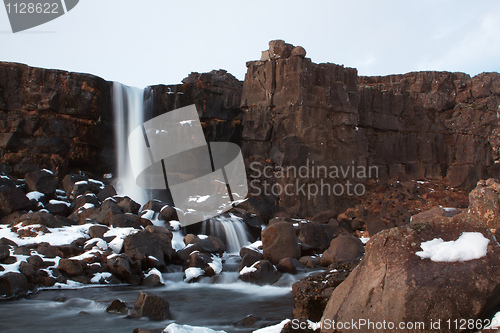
(12, 199)
(42, 181)
(280, 241)
(152, 247)
(343, 248)
(151, 306)
(13, 284)
(262, 272)
(394, 284)
(317, 236)
(205, 244)
(484, 201)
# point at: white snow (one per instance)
(247, 270)
(178, 241)
(87, 205)
(120, 233)
(192, 273)
(198, 198)
(98, 242)
(48, 171)
(176, 225)
(216, 264)
(202, 236)
(35, 195)
(364, 240)
(56, 237)
(176, 328)
(98, 276)
(148, 214)
(273, 329)
(469, 246)
(495, 322)
(255, 246)
(81, 182)
(184, 122)
(97, 182)
(154, 271)
(59, 202)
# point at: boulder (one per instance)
(393, 283)
(4, 251)
(311, 294)
(126, 221)
(317, 236)
(149, 243)
(280, 241)
(117, 307)
(125, 269)
(249, 259)
(151, 306)
(97, 231)
(432, 213)
(12, 199)
(127, 205)
(260, 273)
(343, 248)
(13, 284)
(107, 192)
(45, 219)
(290, 265)
(205, 244)
(72, 267)
(484, 201)
(42, 181)
(167, 214)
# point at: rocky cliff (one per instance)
(342, 129)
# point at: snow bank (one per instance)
(192, 273)
(273, 329)
(176, 328)
(469, 246)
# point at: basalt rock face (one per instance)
(54, 119)
(299, 113)
(217, 97)
(434, 125)
(424, 125)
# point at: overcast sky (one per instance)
(146, 42)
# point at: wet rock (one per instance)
(205, 244)
(12, 199)
(117, 307)
(42, 181)
(392, 283)
(72, 267)
(152, 280)
(146, 330)
(261, 273)
(125, 269)
(343, 248)
(151, 306)
(149, 243)
(13, 284)
(311, 294)
(280, 241)
(290, 265)
(248, 321)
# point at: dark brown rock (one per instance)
(317, 236)
(394, 284)
(42, 181)
(72, 267)
(290, 265)
(125, 269)
(151, 306)
(343, 248)
(146, 243)
(13, 284)
(12, 199)
(261, 273)
(126, 221)
(117, 307)
(484, 201)
(97, 231)
(206, 244)
(279, 241)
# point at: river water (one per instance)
(216, 303)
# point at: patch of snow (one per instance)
(98, 242)
(176, 328)
(202, 236)
(59, 202)
(192, 273)
(176, 225)
(81, 182)
(248, 270)
(154, 271)
(56, 237)
(255, 246)
(120, 234)
(87, 205)
(469, 246)
(216, 264)
(178, 241)
(48, 171)
(98, 276)
(107, 176)
(148, 214)
(495, 322)
(97, 182)
(185, 122)
(365, 240)
(274, 328)
(35, 195)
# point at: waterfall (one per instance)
(230, 229)
(128, 111)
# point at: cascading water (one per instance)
(230, 229)
(128, 109)
(129, 106)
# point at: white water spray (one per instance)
(230, 229)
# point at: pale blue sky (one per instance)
(160, 41)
